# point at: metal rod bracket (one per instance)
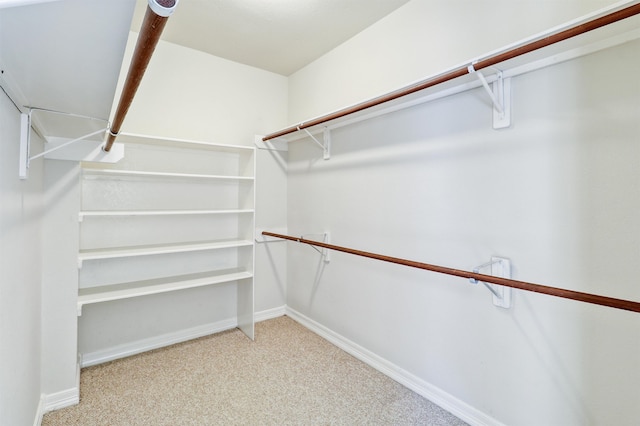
(325, 145)
(25, 139)
(500, 267)
(324, 252)
(500, 94)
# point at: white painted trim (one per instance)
(39, 411)
(62, 399)
(58, 400)
(434, 394)
(270, 313)
(144, 345)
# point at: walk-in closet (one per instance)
(316, 212)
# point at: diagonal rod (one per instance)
(150, 33)
(611, 302)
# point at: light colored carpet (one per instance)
(288, 376)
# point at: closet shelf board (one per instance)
(95, 173)
(119, 252)
(158, 140)
(161, 285)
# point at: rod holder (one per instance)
(500, 267)
(325, 145)
(324, 251)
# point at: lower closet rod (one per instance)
(611, 302)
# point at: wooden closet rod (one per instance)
(611, 302)
(155, 18)
(459, 72)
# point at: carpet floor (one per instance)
(288, 376)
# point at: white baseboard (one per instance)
(62, 399)
(39, 412)
(434, 394)
(270, 313)
(144, 345)
(58, 400)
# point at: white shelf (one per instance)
(119, 252)
(158, 140)
(161, 285)
(124, 213)
(135, 173)
(161, 180)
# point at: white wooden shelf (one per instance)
(119, 252)
(158, 140)
(124, 213)
(161, 285)
(89, 172)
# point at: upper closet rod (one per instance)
(154, 21)
(611, 302)
(573, 31)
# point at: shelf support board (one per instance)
(25, 135)
(325, 145)
(500, 94)
(500, 267)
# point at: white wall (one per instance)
(60, 282)
(557, 194)
(192, 95)
(20, 275)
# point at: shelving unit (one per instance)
(172, 215)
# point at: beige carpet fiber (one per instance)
(288, 376)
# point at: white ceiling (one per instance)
(281, 36)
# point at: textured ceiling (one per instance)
(281, 36)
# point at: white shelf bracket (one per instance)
(500, 94)
(67, 143)
(57, 145)
(324, 252)
(25, 139)
(500, 267)
(325, 145)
